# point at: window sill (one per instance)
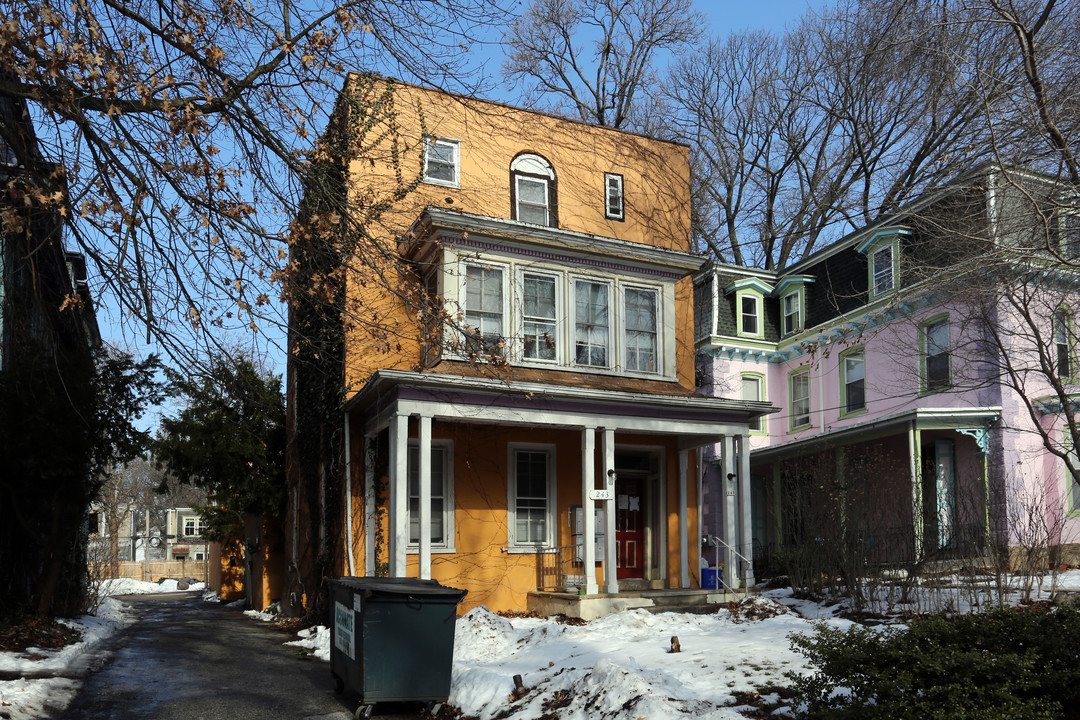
(413, 550)
(441, 183)
(527, 549)
(800, 428)
(853, 413)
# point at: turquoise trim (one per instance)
(882, 236)
(787, 282)
(752, 283)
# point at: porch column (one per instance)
(588, 505)
(370, 443)
(684, 522)
(611, 572)
(746, 538)
(728, 484)
(350, 554)
(915, 453)
(425, 497)
(399, 494)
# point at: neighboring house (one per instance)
(551, 369)
(921, 365)
(184, 535)
(99, 541)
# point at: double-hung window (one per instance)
(194, 527)
(485, 309)
(1063, 343)
(799, 408)
(936, 372)
(592, 326)
(613, 196)
(539, 315)
(883, 261)
(751, 390)
(533, 184)
(853, 367)
(792, 308)
(749, 314)
(532, 472)
(442, 506)
(641, 340)
(441, 164)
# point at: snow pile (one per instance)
(316, 639)
(34, 697)
(621, 666)
(128, 586)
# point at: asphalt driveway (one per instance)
(186, 659)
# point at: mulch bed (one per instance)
(27, 632)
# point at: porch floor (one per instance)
(591, 607)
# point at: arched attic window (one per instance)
(533, 190)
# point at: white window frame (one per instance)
(611, 326)
(759, 303)
(455, 149)
(513, 544)
(658, 293)
(447, 448)
(797, 325)
(799, 420)
(875, 290)
(613, 190)
(925, 339)
(558, 332)
(518, 202)
(852, 356)
(463, 302)
(198, 523)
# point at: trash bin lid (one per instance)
(399, 586)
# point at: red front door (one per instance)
(629, 530)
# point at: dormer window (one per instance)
(441, 161)
(750, 306)
(792, 306)
(532, 184)
(882, 250)
(749, 314)
(1070, 236)
(883, 269)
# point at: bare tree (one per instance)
(800, 137)
(595, 59)
(178, 135)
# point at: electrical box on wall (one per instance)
(577, 523)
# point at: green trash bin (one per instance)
(393, 638)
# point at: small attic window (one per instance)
(532, 190)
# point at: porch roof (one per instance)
(697, 420)
(941, 418)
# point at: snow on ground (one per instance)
(620, 666)
(128, 586)
(49, 677)
(316, 639)
(33, 696)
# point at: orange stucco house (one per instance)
(528, 430)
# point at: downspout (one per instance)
(348, 498)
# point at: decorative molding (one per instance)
(558, 257)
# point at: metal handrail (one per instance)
(717, 542)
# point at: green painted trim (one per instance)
(923, 390)
(750, 283)
(760, 299)
(871, 290)
(762, 394)
(882, 237)
(842, 372)
(783, 285)
(791, 399)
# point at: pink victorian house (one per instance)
(924, 366)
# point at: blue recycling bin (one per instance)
(712, 578)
